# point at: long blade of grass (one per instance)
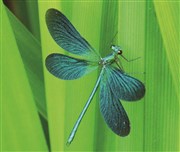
(168, 20)
(161, 104)
(21, 127)
(131, 27)
(30, 50)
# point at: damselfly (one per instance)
(114, 83)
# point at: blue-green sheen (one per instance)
(112, 110)
(124, 86)
(67, 37)
(67, 68)
(114, 83)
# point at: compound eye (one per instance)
(119, 52)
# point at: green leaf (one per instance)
(168, 20)
(21, 127)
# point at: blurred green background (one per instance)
(38, 110)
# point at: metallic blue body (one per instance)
(114, 83)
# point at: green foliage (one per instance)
(29, 93)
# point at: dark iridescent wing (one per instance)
(112, 109)
(68, 68)
(66, 36)
(123, 86)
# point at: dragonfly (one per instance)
(115, 84)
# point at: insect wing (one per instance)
(67, 37)
(124, 86)
(112, 110)
(68, 68)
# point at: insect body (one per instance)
(114, 83)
